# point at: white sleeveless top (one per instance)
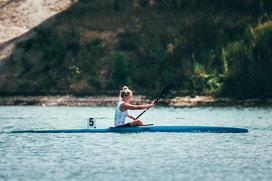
(120, 117)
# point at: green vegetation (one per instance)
(250, 63)
(207, 47)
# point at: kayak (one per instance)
(192, 129)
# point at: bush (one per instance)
(250, 64)
(128, 41)
(52, 44)
(72, 38)
(120, 70)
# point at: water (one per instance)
(135, 156)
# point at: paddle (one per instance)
(164, 92)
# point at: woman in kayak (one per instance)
(122, 107)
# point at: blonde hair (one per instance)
(125, 91)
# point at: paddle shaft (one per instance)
(165, 91)
(147, 108)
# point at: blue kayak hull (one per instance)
(194, 129)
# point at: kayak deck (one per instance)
(193, 129)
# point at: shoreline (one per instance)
(185, 101)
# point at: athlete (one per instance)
(122, 107)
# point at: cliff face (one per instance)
(19, 16)
(94, 46)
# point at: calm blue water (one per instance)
(135, 156)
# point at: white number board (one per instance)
(91, 123)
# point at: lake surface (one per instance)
(135, 156)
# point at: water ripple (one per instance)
(135, 156)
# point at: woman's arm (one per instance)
(126, 106)
(131, 117)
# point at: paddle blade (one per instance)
(167, 89)
(164, 92)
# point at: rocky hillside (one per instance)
(19, 16)
(94, 47)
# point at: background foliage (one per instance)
(205, 46)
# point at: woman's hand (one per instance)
(152, 104)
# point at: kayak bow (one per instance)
(192, 129)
